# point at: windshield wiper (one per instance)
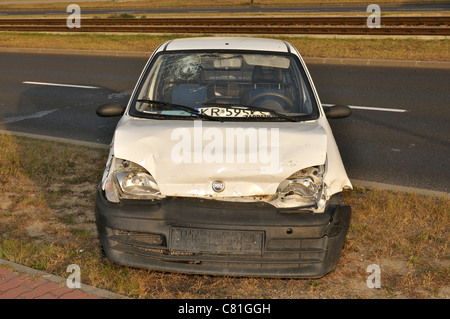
(252, 108)
(179, 107)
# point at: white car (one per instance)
(223, 162)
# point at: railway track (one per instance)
(437, 25)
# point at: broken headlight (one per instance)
(129, 180)
(304, 188)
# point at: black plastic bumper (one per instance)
(192, 235)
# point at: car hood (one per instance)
(249, 158)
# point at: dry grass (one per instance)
(383, 49)
(392, 49)
(130, 42)
(47, 222)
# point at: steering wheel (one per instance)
(259, 96)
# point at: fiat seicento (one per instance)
(223, 162)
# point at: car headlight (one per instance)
(130, 181)
(304, 188)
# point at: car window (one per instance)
(225, 84)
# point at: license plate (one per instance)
(216, 241)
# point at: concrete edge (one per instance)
(399, 188)
(355, 182)
(115, 53)
(383, 63)
(60, 280)
(57, 139)
(313, 60)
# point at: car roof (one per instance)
(227, 43)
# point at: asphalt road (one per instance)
(408, 7)
(409, 148)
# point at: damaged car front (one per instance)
(223, 162)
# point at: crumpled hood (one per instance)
(250, 158)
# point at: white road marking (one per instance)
(13, 119)
(63, 85)
(372, 108)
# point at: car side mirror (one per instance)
(337, 111)
(110, 110)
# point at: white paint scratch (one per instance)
(382, 109)
(63, 85)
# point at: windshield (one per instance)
(225, 86)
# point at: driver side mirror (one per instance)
(337, 111)
(110, 110)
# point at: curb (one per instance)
(312, 60)
(399, 188)
(58, 139)
(61, 282)
(114, 53)
(383, 63)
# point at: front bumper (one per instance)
(198, 236)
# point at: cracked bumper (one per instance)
(197, 236)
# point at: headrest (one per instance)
(263, 74)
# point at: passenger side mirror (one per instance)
(110, 110)
(337, 111)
